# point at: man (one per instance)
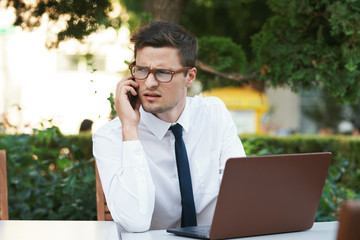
(86, 126)
(136, 153)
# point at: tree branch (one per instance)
(237, 77)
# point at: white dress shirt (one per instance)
(140, 178)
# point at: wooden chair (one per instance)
(4, 210)
(349, 221)
(103, 213)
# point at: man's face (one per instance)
(165, 100)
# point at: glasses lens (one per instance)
(163, 75)
(139, 72)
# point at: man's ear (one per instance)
(191, 76)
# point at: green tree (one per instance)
(312, 43)
(302, 44)
(81, 17)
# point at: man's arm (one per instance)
(123, 168)
(231, 143)
(126, 180)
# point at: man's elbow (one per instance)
(137, 224)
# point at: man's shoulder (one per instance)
(209, 103)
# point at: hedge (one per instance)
(51, 176)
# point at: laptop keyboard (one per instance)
(200, 230)
(197, 231)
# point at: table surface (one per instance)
(56, 230)
(107, 230)
(320, 231)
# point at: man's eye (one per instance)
(141, 69)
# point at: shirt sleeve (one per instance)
(231, 145)
(126, 179)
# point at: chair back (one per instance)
(103, 213)
(4, 210)
(349, 221)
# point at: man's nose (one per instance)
(150, 81)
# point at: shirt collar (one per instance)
(159, 127)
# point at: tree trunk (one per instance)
(165, 10)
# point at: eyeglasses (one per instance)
(161, 75)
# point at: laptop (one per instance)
(265, 195)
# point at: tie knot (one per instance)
(177, 130)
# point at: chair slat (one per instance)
(4, 210)
(103, 213)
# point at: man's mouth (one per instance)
(151, 96)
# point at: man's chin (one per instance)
(152, 108)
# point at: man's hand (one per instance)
(129, 117)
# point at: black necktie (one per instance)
(188, 216)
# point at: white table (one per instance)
(56, 230)
(320, 231)
(107, 230)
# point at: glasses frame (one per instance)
(152, 70)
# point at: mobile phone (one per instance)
(132, 98)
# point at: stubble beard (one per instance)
(162, 107)
(158, 109)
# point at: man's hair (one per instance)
(165, 34)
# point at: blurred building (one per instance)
(63, 86)
(246, 105)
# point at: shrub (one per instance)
(50, 176)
